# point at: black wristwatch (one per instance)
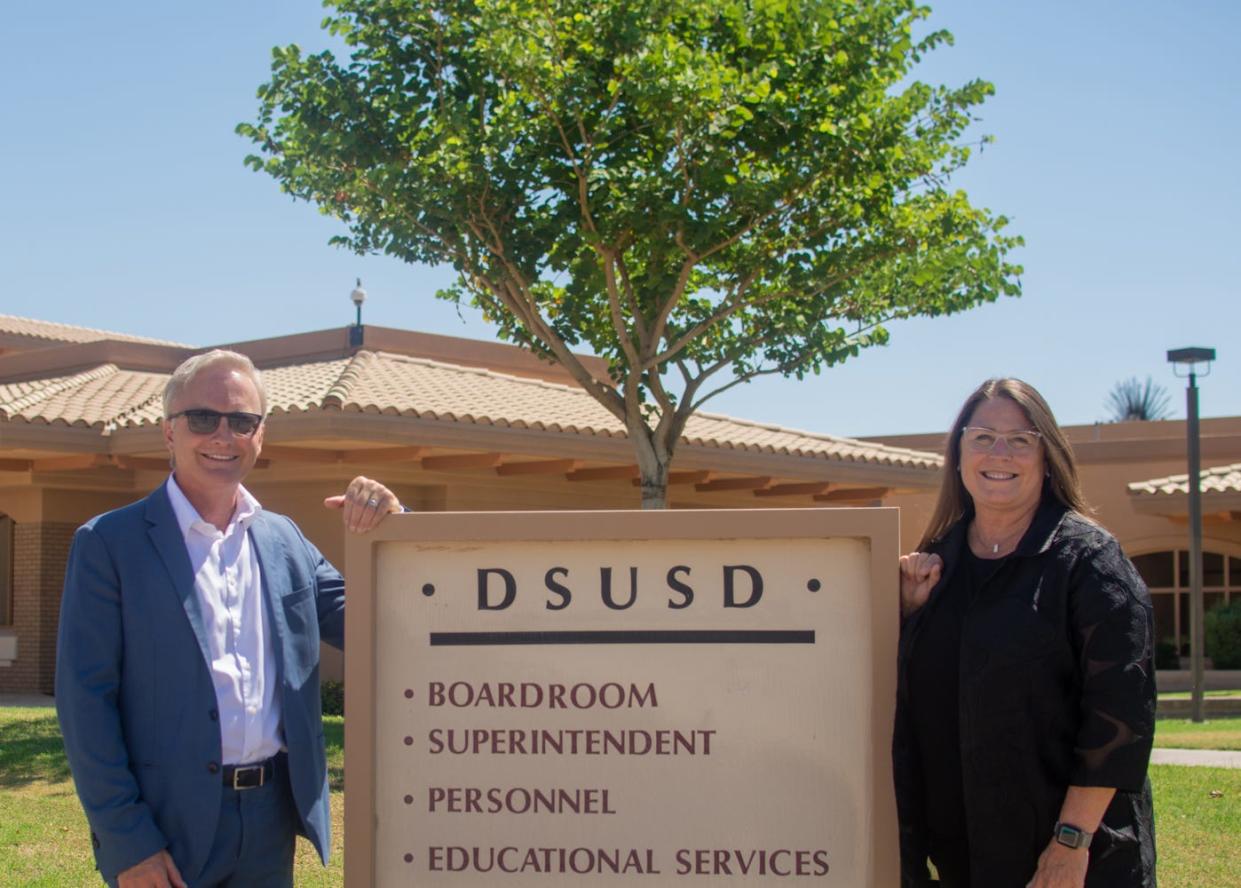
(1071, 836)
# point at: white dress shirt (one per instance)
(229, 587)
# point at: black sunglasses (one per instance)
(203, 421)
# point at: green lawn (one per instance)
(43, 836)
(1197, 826)
(44, 841)
(1215, 733)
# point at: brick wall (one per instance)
(40, 552)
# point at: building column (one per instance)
(40, 553)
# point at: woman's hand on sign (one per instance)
(920, 572)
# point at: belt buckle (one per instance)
(242, 777)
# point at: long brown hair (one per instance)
(954, 500)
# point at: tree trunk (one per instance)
(653, 461)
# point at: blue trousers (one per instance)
(255, 837)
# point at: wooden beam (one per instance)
(699, 476)
(16, 465)
(538, 467)
(301, 454)
(851, 495)
(459, 462)
(799, 488)
(382, 454)
(74, 463)
(1208, 518)
(749, 483)
(140, 463)
(603, 473)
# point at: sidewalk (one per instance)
(1206, 758)
(27, 700)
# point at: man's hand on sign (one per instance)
(364, 504)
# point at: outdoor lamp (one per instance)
(1189, 359)
(358, 296)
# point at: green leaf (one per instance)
(599, 172)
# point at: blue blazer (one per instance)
(134, 694)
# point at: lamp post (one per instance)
(358, 296)
(1189, 359)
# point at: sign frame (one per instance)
(879, 527)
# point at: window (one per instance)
(1167, 576)
(1156, 568)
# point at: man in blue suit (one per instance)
(187, 673)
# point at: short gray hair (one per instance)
(192, 366)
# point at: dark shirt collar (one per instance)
(1037, 538)
(1042, 530)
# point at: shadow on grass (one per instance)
(334, 742)
(31, 750)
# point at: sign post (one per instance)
(585, 698)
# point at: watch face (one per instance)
(1070, 836)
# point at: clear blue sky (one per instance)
(1117, 125)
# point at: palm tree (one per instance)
(1131, 399)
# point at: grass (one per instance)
(1215, 733)
(43, 835)
(1197, 825)
(1185, 695)
(307, 868)
(44, 840)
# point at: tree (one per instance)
(1130, 399)
(699, 192)
(1222, 635)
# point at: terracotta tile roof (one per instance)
(389, 383)
(96, 398)
(714, 430)
(382, 382)
(1220, 479)
(13, 325)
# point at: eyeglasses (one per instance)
(203, 421)
(981, 440)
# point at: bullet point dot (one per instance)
(814, 585)
(409, 741)
(409, 693)
(428, 590)
(409, 800)
(409, 858)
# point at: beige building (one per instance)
(463, 425)
(1134, 475)
(449, 424)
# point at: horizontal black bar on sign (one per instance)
(626, 636)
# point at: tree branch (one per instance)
(784, 367)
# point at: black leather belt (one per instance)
(253, 775)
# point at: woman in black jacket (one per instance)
(1026, 695)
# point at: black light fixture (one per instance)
(1189, 359)
(358, 296)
